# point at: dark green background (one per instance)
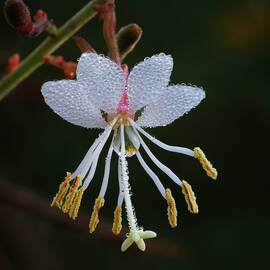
(222, 46)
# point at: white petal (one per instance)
(175, 101)
(147, 80)
(67, 99)
(103, 79)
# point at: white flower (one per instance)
(104, 88)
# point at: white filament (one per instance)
(164, 168)
(167, 147)
(129, 209)
(92, 171)
(106, 172)
(151, 174)
(86, 162)
(87, 156)
(94, 157)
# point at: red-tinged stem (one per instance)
(107, 14)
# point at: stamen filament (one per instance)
(151, 174)
(106, 172)
(176, 149)
(92, 171)
(94, 158)
(164, 168)
(87, 156)
(88, 159)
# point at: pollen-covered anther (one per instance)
(207, 166)
(94, 218)
(73, 212)
(172, 211)
(63, 189)
(71, 195)
(190, 197)
(117, 222)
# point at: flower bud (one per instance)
(127, 38)
(18, 16)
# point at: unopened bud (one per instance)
(127, 38)
(18, 16)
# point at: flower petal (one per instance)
(175, 101)
(147, 80)
(103, 79)
(68, 99)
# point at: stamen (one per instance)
(94, 218)
(117, 222)
(190, 197)
(73, 212)
(151, 174)
(106, 172)
(63, 189)
(92, 170)
(176, 149)
(89, 157)
(69, 199)
(172, 211)
(164, 168)
(94, 158)
(207, 166)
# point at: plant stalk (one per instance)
(48, 46)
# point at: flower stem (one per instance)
(49, 45)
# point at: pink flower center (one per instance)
(123, 104)
(122, 108)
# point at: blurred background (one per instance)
(223, 46)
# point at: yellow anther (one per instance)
(71, 195)
(73, 212)
(190, 197)
(117, 222)
(211, 172)
(94, 218)
(63, 189)
(172, 211)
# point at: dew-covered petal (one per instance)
(68, 99)
(147, 80)
(175, 101)
(103, 79)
